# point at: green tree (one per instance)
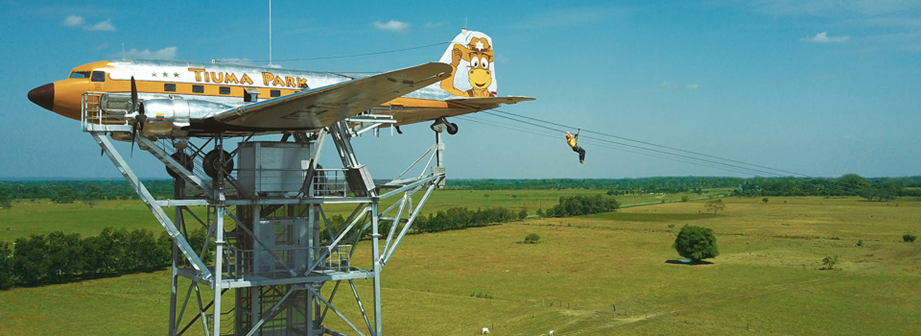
(5, 202)
(103, 253)
(66, 257)
(65, 195)
(30, 262)
(696, 243)
(909, 238)
(7, 278)
(715, 205)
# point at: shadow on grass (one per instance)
(688, 262)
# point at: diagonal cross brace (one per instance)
(148, 199)
(171, 163)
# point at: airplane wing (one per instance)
(323, 106)
(455, 107)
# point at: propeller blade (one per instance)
(134, 96)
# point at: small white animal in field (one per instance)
(485, 331)
(551, 332)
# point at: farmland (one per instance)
(612, 273)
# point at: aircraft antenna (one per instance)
(270, 32)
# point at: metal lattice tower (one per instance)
(272, 243)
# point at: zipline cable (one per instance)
(649, 144)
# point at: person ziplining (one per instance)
(571, 140)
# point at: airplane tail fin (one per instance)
(471, 54)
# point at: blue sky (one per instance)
(818, 88)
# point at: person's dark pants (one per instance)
(581, 152)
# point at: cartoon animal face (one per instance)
(479, 57)
(478, 54)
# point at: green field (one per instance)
(767, 279)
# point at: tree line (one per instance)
(59, 257)
(70, 191)
(873, 189)
(847, 185)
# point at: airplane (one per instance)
(179, 100)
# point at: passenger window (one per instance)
(80, 74)
(274, 93)
(224, 90)
(98, 76)
(198, 89)
(169, 87)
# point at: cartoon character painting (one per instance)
(471, 55)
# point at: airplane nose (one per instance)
(43, 96)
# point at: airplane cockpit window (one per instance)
(80, 74)
(98, 76)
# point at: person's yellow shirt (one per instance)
(572, 141)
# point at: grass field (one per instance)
(604, 274)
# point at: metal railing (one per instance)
(249, 261)
(94, 118)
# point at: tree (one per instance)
(696, 243)
(30, 262)
(65, 255)
(715, 205)
(6, 266)
(5, 202)
(909, 238)
(523, 213)
(765, 200)
(65, 195)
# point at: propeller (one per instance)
(140, 119)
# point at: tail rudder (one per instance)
(471, 54)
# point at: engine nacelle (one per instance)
(167, 117)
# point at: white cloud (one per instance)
(167, 53)
(74, 21)
(823, 38)
(393, 25)
(102, 26)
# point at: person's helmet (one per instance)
(568, 135)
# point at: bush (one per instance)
(532, 238)
(523, 214)
(829, 262)
(909, 238)
(696, 243)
